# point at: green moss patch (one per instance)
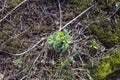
(12, 45)
(105, 4)
(107, 33)
(13, 3)
(107, 66)
(80, 4)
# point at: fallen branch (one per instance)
(42, 51)
(78, 16)
(29, 49)
(60, 15)
(14, 37)
(20, 54)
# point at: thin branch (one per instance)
(78, 16)
(12, 10)
(113, 14)
(42, 51)
(4, 5)
(29, 49)
(14, 37)
(60, 15)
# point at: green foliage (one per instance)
(65, 61)
(94, 45)
(18, 62)
(102, 71)
(61, 71)
(117, 5)
(89, 76)
(107, 66)
(107, 33)
(105, 4)
(60, 40)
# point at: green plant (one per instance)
(94, 44)
(80, 4)
(18, 62)
(89, 76)
(61, 69)
(117, 5)
(59, 41)
(65, 61)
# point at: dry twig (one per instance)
(60, 15)
(29, 49)
(12, 10)
(20, 54)
(42, 51)
(78, 16)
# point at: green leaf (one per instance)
(18, 62)
(117, 5)
(59, 40)
(94, 44)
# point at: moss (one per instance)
(3, 35)
(105, 4)
(80, 4)
(37, 29)
(69, 16)
(114, 76)
(5, 32)
(101, 71)
(13, 3)
(107, 33)
(107, 66)
(12, 45)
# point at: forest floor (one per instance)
(25, 53)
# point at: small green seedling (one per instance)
(18, 62)
(94, 45)
(117, 5)
(59, 41)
